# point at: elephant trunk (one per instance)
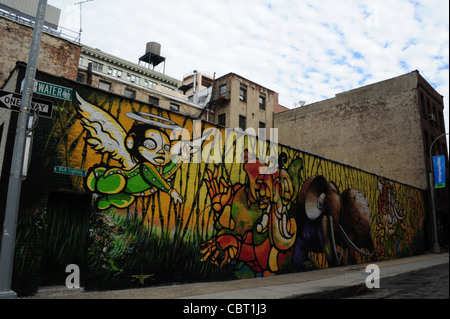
(282, 230)
(355, 221)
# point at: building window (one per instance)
(262, 133)
(116, 73)
(422, 105)
(222, 119)
(223, 90)
(167, 87)
(174, 107)
(262, 102)
(104, 85)
(243, 94)
(80, 78)
(133, 78)
(130, 93)
(96, 66)
(436, 122)
(153, 100)
(242, 122)
(431, 142)
(441, 119)
(149, 84)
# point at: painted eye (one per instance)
(167, 147)
(150, 144)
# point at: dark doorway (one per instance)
(66, 235)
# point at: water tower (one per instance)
(152, 58)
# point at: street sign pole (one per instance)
(11, 101)
(436, 247)
(15, 179)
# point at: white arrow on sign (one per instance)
(9, 100)
(12, 101)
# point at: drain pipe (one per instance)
(195, 81)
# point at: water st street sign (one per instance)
(56, 91)
(12, 102)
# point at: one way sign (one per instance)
(12, 101)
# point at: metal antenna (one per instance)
(80, 3)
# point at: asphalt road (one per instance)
(427, 283)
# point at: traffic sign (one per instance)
(53, 90)
(12, 101)
(69, 171)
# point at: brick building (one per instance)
(386, 128)
(240, 103)
(57, 55)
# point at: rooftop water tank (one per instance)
(153, 47)
(152, 56)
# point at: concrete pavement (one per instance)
(295, 285)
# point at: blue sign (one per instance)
(439, 171)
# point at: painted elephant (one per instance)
(329, 222)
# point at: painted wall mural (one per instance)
(169, 204)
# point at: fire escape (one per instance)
(221, 96)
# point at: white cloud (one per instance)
(304, 50)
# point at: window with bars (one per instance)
(243, 94)
(222, 119)
(262, 102)
(242, 122)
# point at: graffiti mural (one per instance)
(332, 222)
(255, 225)
(169, 205)
(398, 210)
(144, 153)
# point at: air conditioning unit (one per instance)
(431, 117)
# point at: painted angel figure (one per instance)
(145, 153)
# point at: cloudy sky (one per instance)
(305, 50)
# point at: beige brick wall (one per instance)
(375, 128)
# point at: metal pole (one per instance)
(436, 248)
(15, 179)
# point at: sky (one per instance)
(303, 49)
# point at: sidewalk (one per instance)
(295, 285)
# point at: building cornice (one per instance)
(100, 55)
(139, 87)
